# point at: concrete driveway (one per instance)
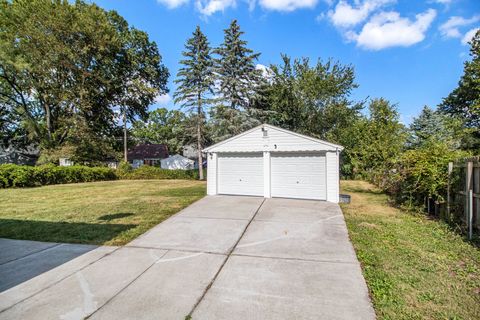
(224, 257)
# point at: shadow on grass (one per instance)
(182, 192)
(68, 232)
(362, 190)
(113, 216)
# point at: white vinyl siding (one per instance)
(333, 177)
(276, 140)
(273, 162)
(212, 174)
(240, 174)
(298, 175)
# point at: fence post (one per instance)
(450, 170)
(470, 214)
(468, 186)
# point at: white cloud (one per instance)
(267, 73)
(389, 29)
(173, 3)
(469, 36)
(443, 1)
(287, 5)
(163, 99)
(451, 28)
(209, 7)
(346, 15)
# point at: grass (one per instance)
(415, 267)
(109, 213)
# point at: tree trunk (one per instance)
(125, 158)
(48, 120)
(199, 139)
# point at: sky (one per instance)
(409, 52)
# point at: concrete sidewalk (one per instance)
(224, 257)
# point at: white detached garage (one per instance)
(272, 162)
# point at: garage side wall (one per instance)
(212, 174)
(333, 171)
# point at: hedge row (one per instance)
(18, 176)
(15, 176)
(149, 172)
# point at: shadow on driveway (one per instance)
(21, 260)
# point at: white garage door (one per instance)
(240, 174)
(298, 175)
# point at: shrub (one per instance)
(421, 173)
(15, 176)
(149, 172)
(124, 168)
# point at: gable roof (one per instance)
(278, 140)
(148, 151)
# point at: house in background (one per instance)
(147, 154)
(26, 156)
(190, 152)
(65, 162)
(177, 162)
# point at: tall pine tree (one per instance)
(195, 85)
(237, 83)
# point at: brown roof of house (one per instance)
(148, 151)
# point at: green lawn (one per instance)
(111, 213)
(416, 268)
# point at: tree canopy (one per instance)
(195, 86)
(163, 126)
(65, 68)
(463, 103)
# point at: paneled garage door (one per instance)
(240, 174)
(298, 175)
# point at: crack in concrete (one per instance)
(54, 245)
(60, 280)
(293, 259)
(287, 234)
(224, 262)
(126, 286)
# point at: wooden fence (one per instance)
(463, 196)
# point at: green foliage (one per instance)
(377, 142)
(16, 176)
(66, 67)
(163, 126)
(432, 125)
(312, 99)
(235, 69)
(421, 173)
(149, 172)
(463, 103)
(124, 168)
(238, 85)
(195, 86)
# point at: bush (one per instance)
(421, 173)
(124, 168)
(149, 172)
(16, 176)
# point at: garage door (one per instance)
(240, 174)
(298, 175)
